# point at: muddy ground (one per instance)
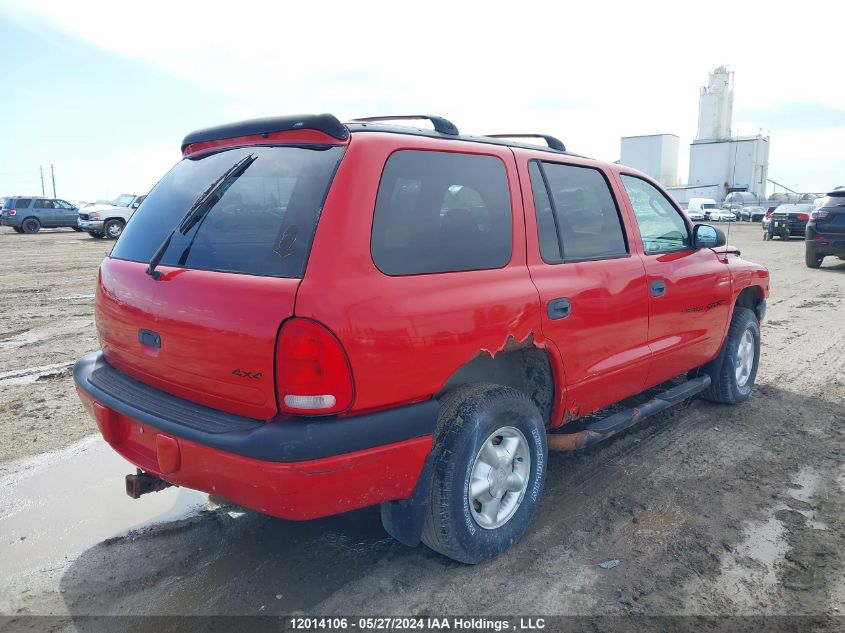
(709, 509)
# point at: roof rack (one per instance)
(551, 141)
(444, 126)
(325, 123)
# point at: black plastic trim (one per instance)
(410, 131)
(551, 141)
(444, 126)
(326, 123)
(279, 440)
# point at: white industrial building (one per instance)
(655, 155)
(719, 162)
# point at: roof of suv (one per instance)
(328, 124)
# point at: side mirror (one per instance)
(135, 205)
(707, 236)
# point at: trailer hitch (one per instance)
(141, 483)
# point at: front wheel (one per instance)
(76, 228)
(488, 469)
(113, 229)
(96, 235)
(733, 372)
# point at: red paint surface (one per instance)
(403, 336)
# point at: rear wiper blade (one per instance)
(198, 209)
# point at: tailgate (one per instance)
(204, 336)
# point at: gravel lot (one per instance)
(709, 509)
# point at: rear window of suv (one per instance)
(20, 203)
(441, 212)
(260, 222)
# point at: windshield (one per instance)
(708, 205)
(123, 201)
(261, 224)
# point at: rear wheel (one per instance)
(96, 234)
(76, 228)
(31, 225)
(813, 260)
(733, 372)
(113, 229)
(17, 229)
(488, 468)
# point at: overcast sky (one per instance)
(106, 90)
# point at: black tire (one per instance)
(17, 229)
(96, 235)
(469, 417)
(725, 386)
(813, 260)
(30, 226)
(76, 228)
(113, 229)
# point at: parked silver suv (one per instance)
(108, 219)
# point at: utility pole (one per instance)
(53, 175)
(41, 167)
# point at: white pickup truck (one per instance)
(107, 219)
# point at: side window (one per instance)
(576, 213)
(44, 204)
(441, 212)
(550, 249)
(61, 204)
(22, 203)
(661, 226)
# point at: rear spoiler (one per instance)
(326, 123)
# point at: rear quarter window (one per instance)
(441, 212)
(21, 203)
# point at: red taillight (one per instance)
(803, 217)
(313, 376)
(819, 214)
(13, 212)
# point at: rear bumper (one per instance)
(825, 243)
(10, 221)
(293, 469)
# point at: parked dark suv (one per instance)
(30, 215)
(308, 317)
(826, 229)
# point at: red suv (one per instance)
(307, 317)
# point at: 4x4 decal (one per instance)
(247, 374)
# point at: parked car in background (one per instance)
(695, 216)
(705, 205)
(31, 214)
(108, 219)
(722, 215)
(752, 214)
(797, 216)
(825, 233)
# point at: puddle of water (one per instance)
(54, 506)
(32, 374)
(765, 544)
(809, 481)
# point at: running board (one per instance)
(613, 424)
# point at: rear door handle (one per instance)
(559, 308)
(658, 288)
